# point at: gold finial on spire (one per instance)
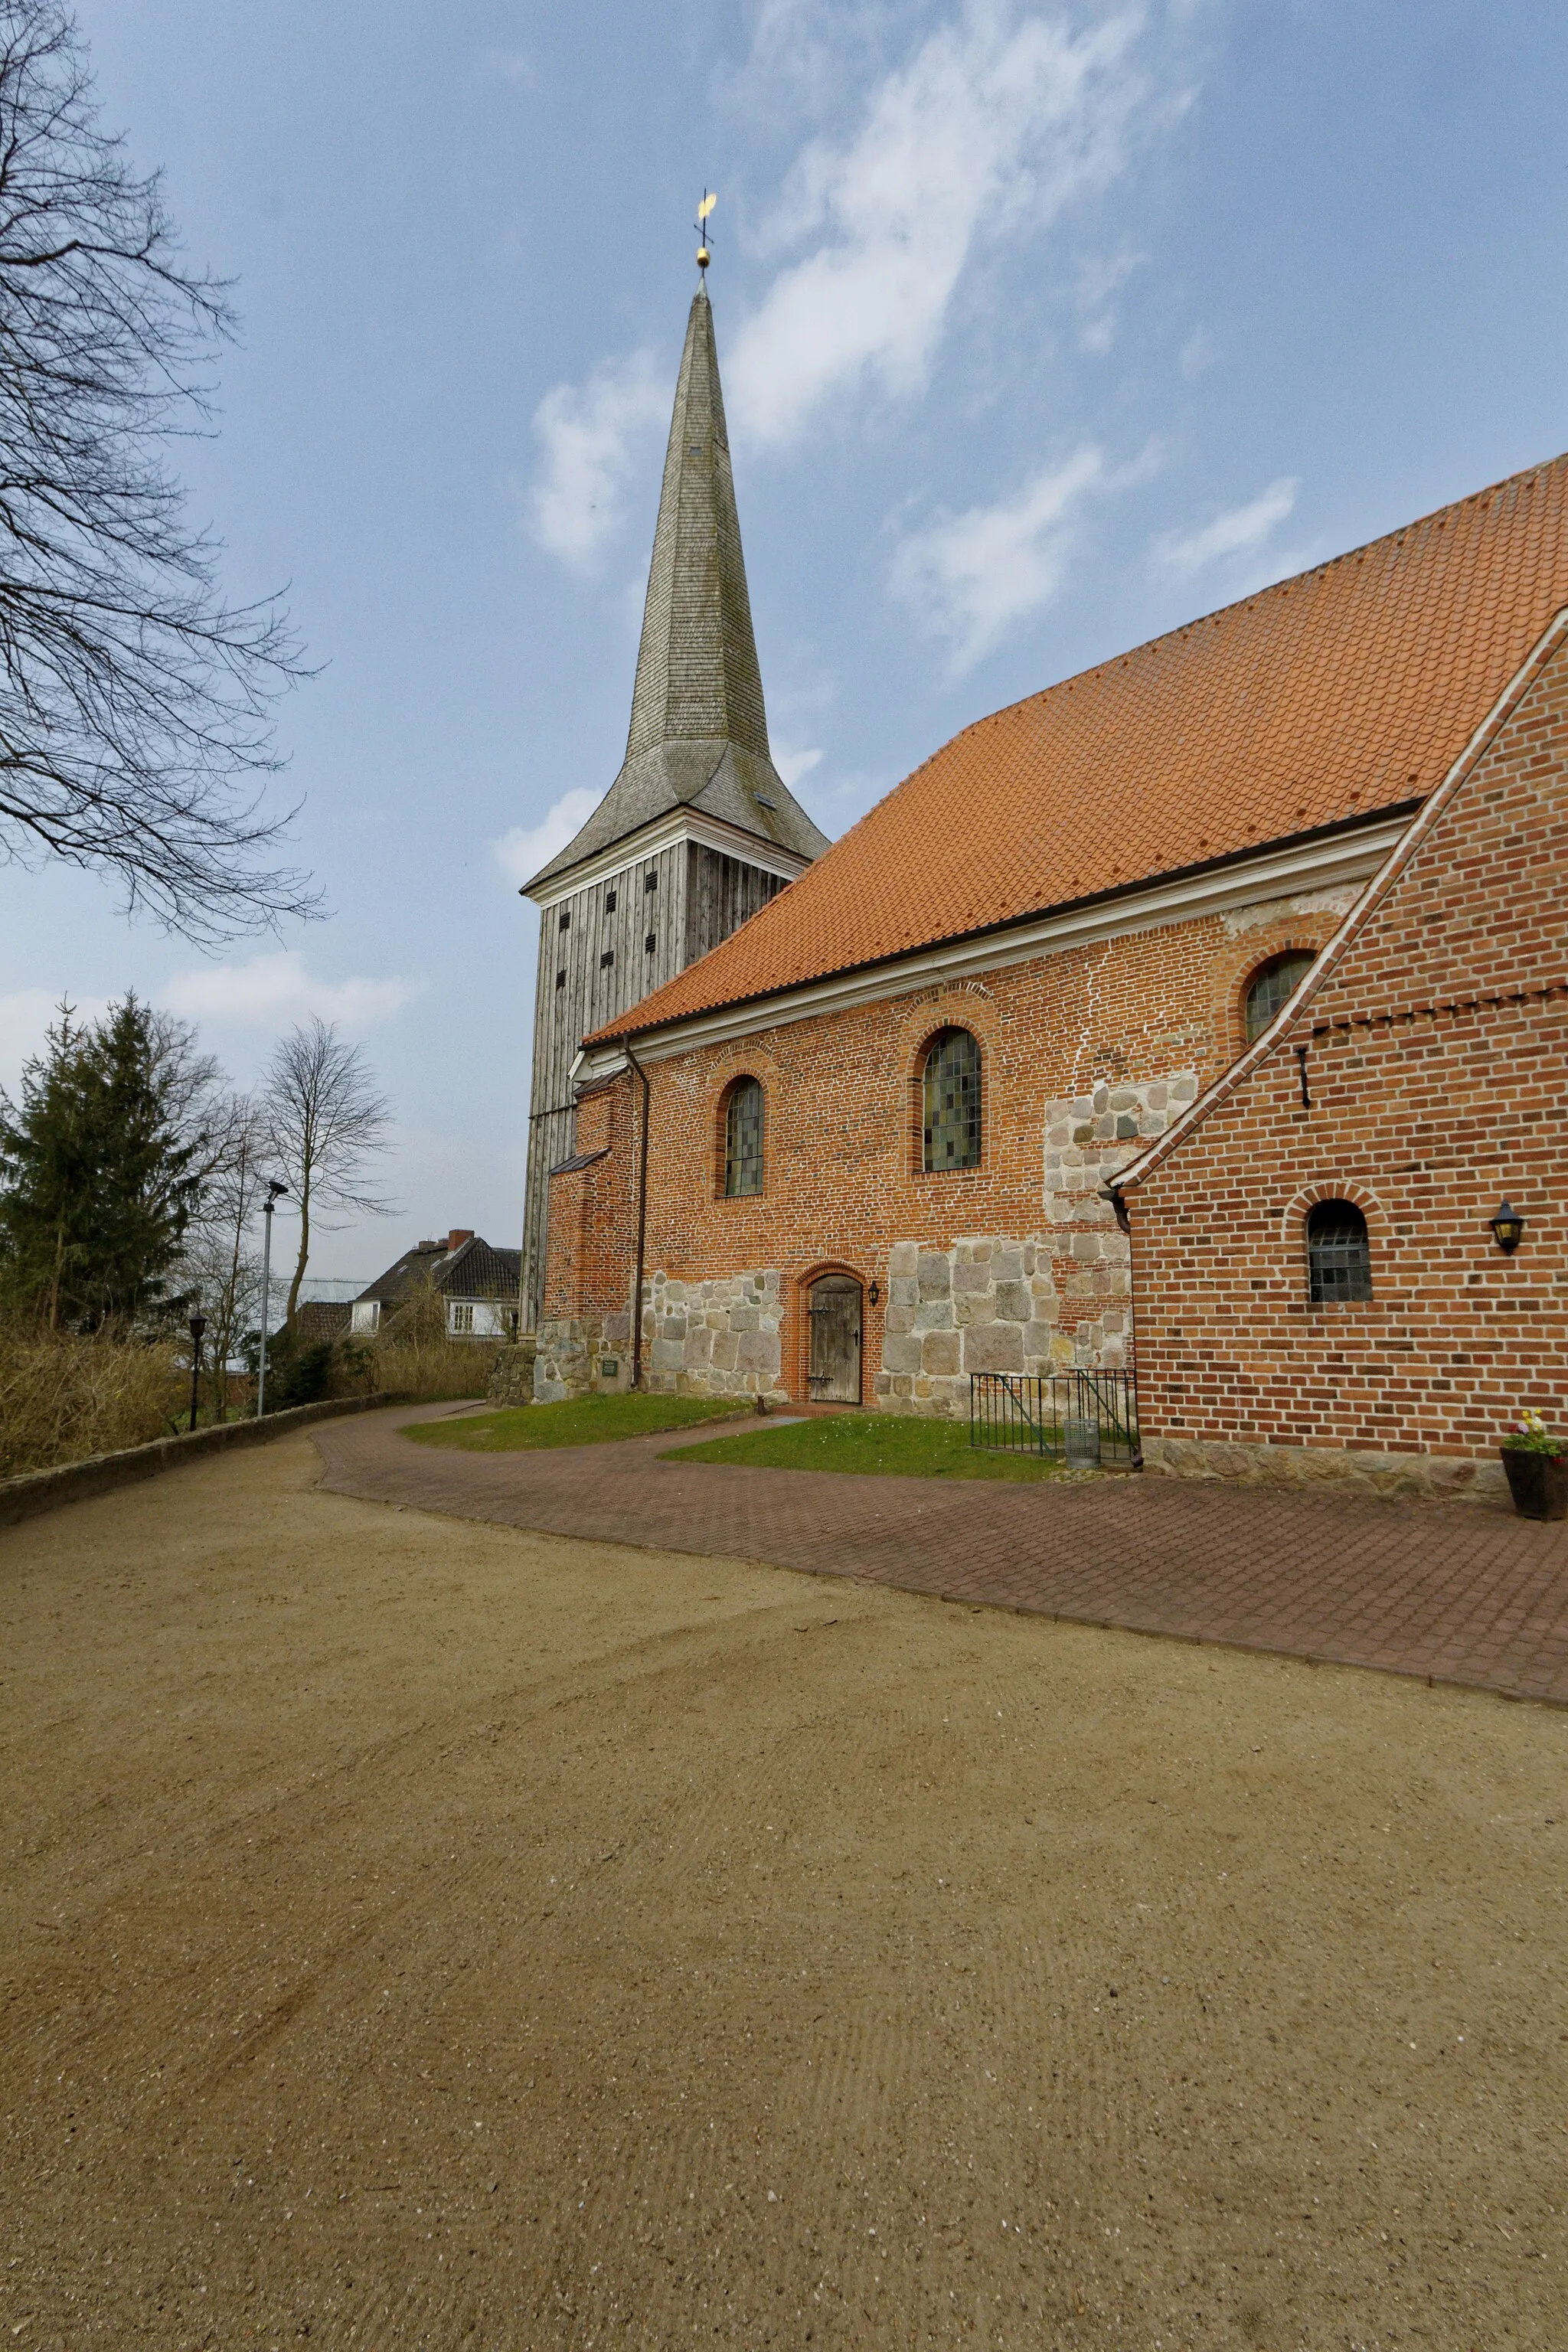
(703, 209)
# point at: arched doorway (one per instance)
(833, 1306)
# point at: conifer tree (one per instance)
(98, 1177)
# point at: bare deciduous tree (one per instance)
(222, 1266)
(134, 702)
(325, 1120)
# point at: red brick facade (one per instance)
(1437, 1066)
(1088, 882)
(1014, 1265)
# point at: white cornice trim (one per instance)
(662, 833)
(1352, 855)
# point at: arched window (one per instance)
(743, 1138)
(1339, 1255)
(951, 1123)
(1270, 985)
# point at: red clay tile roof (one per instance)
(1317, 702)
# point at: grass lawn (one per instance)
(884, 1444)
(580, 1420)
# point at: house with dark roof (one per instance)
(860, 1150)
(478, 1283)
(321, 1320)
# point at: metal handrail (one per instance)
(1085, 1417)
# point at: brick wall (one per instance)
(586, 1316)
(1017, 1264)
(1437, 1061)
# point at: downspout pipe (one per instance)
(1123, 1218)
(642, 1223)
(1108, 1193)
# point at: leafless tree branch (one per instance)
(135, 703)
(325, 1120)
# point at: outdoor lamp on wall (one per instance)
(1509, 1227)
(874, 1293)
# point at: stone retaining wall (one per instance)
(511, 1373)
(572, 1351)
(46, 1490)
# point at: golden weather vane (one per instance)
(703, 209)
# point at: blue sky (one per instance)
(1042, 330)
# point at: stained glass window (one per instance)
(743, 1138)
(953, 1101)
(1339, 1255)
(1274, 983)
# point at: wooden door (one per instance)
(834, 1310)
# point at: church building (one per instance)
(863, 1145)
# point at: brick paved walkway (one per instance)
(1453, 1593)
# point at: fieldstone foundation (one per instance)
(1399, 1478)
(1057, 1300)
(721, 1338)
(987, 1304)
(582, 1357)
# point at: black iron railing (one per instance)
(1087, 1420)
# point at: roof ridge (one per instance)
(1275, 719)
(1356, 918)
(1240, 603)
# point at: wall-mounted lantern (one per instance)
(1509, 1227)
(874, 1293)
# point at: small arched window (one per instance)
(1339, 1254)
(951, 1122)
(1269, 986)
(743, 1138)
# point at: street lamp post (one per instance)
(275, 1191)
(198, 1325)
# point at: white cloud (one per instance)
(970, 578)
(1100, 282)
(1239, 533)
(591, 439)
(793, 765)
(1197, 355)
(996, 122)
(523, 850)
(513, 65)
(272, 989)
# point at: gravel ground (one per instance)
(427, 1934)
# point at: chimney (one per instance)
(455, 1240)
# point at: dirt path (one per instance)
(426, 1934)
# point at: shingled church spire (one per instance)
(699, 829)
(699, 735)
(698, 677)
